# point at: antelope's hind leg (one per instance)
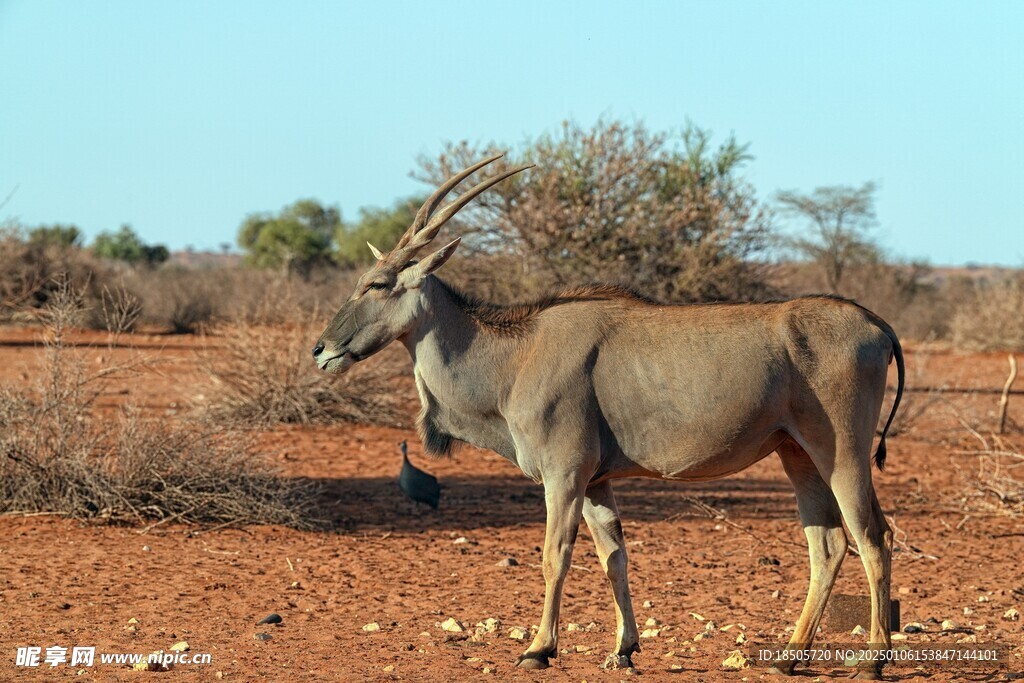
(826, 545)
(602, 516)
(869, 529)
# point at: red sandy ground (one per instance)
(389, 561)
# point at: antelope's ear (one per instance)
(435, 260)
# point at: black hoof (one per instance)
(780, 671)
(533, 660)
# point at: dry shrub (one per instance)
(261, 373)
(181, 299)
(994, 481)
(990, 316)
(999, 481)
(32, 272)
(59, 454)
(186, 299)
(665, 213)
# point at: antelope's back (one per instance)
(703, 391)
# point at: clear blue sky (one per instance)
(182, 117)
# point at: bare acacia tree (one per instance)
(839, 218)
(664, 213)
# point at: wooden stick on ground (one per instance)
(1004, 400)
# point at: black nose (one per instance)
(318, 349)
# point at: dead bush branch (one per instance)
(58, 455)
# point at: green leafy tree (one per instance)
(667, 213)
(295, 240)
(57, 235)
(126, 245)
(378, 226)
(838, 219)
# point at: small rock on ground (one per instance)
(736, 660)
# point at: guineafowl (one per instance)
(416, 483)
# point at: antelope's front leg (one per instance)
(564, 500)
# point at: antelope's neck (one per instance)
(463, 375)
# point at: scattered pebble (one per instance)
(181, 646)
(452, 625)
(1011, 614)
(652, 622)
(741, 638)
(372, 627)
(263, 636)
(650, 633)
(488, 625)
(460, 540)
(736, 660)
(859, 630)
(508, 562)
(574, 627)
(648, 604)
(697, 616)
(949, 625)
(272, 618)
(913, 627)
(146, 549)
(146, 665)
(518, 633)
(776, 594)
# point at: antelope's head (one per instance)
(388, 298)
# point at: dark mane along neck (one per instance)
(514, 319)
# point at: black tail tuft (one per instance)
(880, 454)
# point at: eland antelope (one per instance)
(596, 383)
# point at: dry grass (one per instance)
(990, 317)
(994, 474)
(59, 453)
(262, 374)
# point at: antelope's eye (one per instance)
(377, 285)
